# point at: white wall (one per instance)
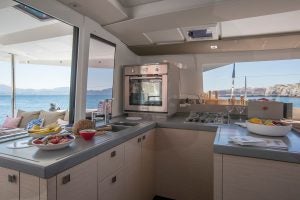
(87, 26)
(191, 83)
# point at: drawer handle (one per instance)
(139, 140)
(113, 154)
(12, 178)
(66, 179)
(144, 137)
(114, 179)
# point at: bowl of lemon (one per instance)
(37, 131)
(268, 127)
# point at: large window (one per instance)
(37, 50)
(275, 80)
(100, 72)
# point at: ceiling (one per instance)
(152, 22)
(42, 42)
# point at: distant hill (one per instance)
(6, 90)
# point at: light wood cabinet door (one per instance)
(9, 184)
(110, 161)
(29, 187)
(184, 164)
(250, 178)
(133, 168)
(79, 182)
(148, 155)
(112, 188)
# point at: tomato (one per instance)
(54, 141)
(38, 142)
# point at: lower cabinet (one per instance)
(251, 178)
(9, 184)
(79, 182)
(184, 164)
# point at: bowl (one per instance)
(266, 130)
(87, 134)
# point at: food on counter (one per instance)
(267, 122)
(83, 124)
(52, 128)
(53, 140)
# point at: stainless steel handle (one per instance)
(113, 154)
(144, 137)
(66, 179)
(12, 178)
(139, 140)
(147, 77)
(114, 179)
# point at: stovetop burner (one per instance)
(207, 117)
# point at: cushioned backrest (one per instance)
(27, 117)
(51, 117)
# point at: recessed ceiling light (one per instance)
(213, 46)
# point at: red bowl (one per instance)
(87, 134)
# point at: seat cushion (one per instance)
(51, 117)
(27, 117)
(11, 122)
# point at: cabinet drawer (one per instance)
(110, 161)
(112, 188)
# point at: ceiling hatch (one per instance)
(199, 33)
(165, 36)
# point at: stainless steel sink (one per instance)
(117, 128)
(125, 123)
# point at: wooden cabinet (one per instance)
(139, 167)
(111, 174)
(79, 182)
(9, 184)
(133, 168)
(148, 167)
(184, 164)
(250, 178)
(112, 187)
(29, 187)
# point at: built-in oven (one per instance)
(146, 88)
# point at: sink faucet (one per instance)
(107, 114)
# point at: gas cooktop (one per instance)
(207, 118)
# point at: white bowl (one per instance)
(50, 147)
(262, 129)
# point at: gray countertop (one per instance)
(46, 164)
(223, 145)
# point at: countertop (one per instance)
(46, 164)
(223, 145)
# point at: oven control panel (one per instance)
(146, 69)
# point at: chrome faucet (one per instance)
(107, 114)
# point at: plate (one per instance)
(262, 129)
(51, 147)
(133, 118)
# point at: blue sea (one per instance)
(39, 102)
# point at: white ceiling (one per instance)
(42, 42)
(133, 3)
(133, 20)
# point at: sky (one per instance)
(29, 76)
(259, 74)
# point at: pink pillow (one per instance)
(11, 122)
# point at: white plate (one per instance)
(50, 147)
(133, 118)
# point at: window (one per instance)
(275, 80)
(100, 72)
(40, 49)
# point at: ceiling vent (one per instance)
(199, 33)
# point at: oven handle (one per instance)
(148, 77)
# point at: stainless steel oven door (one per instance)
(146, 93)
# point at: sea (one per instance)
(42, 102)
